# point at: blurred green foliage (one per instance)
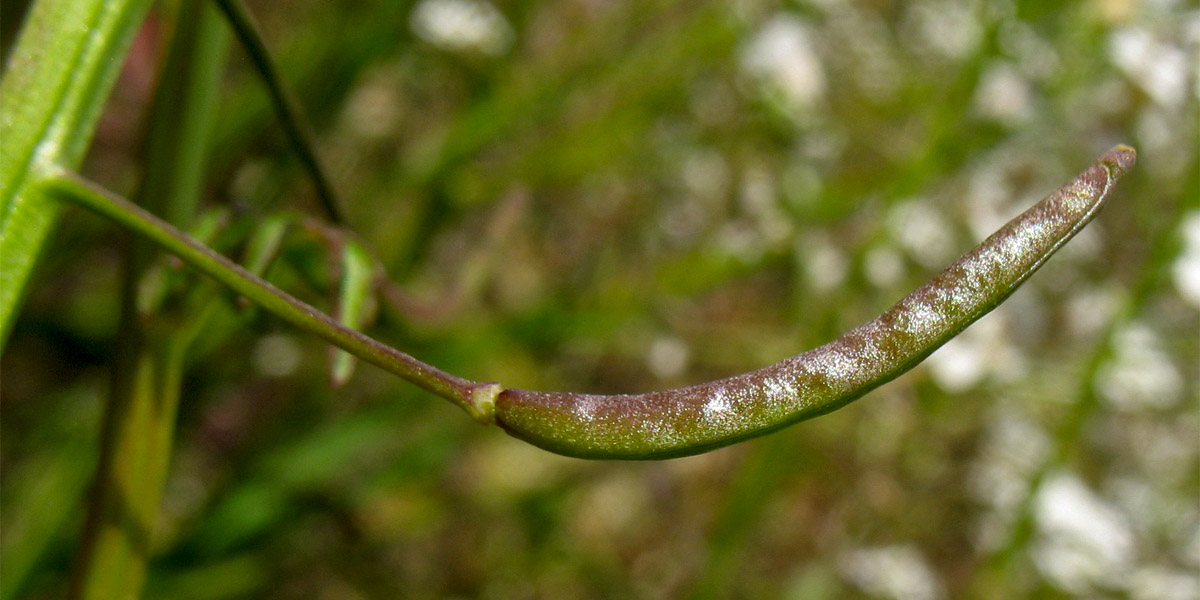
(701, 188)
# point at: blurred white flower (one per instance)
(759, 198)
(1003, 95)
(1084, 542)
(1140, 375)
(781, 55)
(1160, 69)
(668, 357)
(949, 28)
(898, 572)
(1092, 309)
(1186, 268)
(824, 263)
(462, 25)
(1014, 447)
(923, 232)
(1158, 583)
(884, 266)
(982, 351)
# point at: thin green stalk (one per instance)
(742, 510)
(478, 399)
(286, 106)
(58, 77)
(180, 122)
(148, 365)
(137, 436)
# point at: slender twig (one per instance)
(149, 358)
(474, 397)
(291, 116)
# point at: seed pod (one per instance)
(698, 418)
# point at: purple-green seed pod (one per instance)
(703, 417)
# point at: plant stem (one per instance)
(55, 84)
(148, 364)
(288, 108)
(138, 429)
(478, 399)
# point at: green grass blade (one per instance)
(148, 368)
(59, 74)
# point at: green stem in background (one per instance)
(44, 488)
(476, 398)
(138, 429)
(286, 105)
(57, 78)
(148, 365)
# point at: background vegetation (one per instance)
(626, 196)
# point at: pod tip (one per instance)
(1119, 160)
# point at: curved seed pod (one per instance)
(703, 417)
